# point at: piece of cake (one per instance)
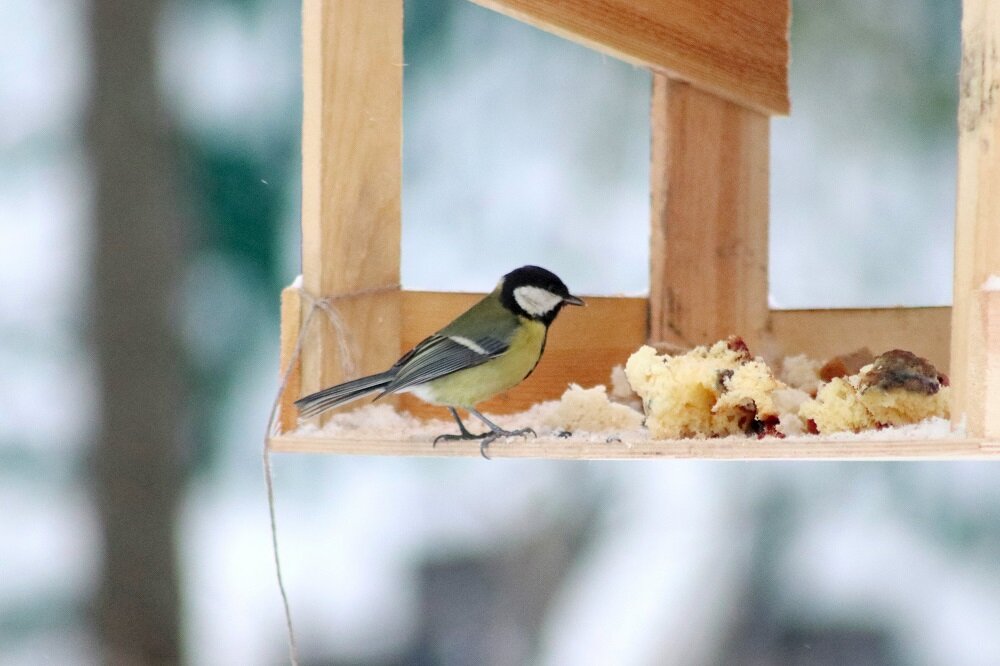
(897, 388)
(837, 407)
(706, 392)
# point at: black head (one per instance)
(533, 292)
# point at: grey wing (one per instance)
(441, 355)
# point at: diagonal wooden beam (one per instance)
(736, 49)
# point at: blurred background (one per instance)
(149, 155)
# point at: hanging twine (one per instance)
(349, 369)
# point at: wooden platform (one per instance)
(804, 448)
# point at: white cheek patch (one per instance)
(536, 301)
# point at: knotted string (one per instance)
(349, 369)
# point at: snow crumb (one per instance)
(992, 283)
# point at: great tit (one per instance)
(491, 347)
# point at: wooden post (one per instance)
(709, 187)
(977, 228)
(351, 180)
(291, 322)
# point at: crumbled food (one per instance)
(897, 388)
(837, 407)
(902, 369)
(787, 402)
(590, 410)
(900, 388)
(846, 365)
(706, 392)
(801, 372)
(620, 391)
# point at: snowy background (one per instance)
(509, 133)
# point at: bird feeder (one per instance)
(720, 70)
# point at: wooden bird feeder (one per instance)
(720, 70)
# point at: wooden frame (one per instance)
(719, 70)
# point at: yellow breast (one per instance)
(466, 388)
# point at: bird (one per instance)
(491, 347)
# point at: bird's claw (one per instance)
(486, 437)
(448, 437)
(497, 434)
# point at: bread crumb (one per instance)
(898, 388)
(801, 372)
(845, 365)
(787, 402)
(707, 392)
(621, 391)
(837, 407)
(590, 410)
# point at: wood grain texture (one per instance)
(583, 345)
(977, 228)
(736, 49)
(821, 334)
(351, 177)
(721, 449)
(991, 368)
(291, 320)
(709, 217)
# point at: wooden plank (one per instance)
(977, 228)
(991, 368)
(821, 334)
(737, 49)
(583, 345)
(720, 449)
(709, 217)
(291, 319)
(351, 177)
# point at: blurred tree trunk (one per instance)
(136, 262)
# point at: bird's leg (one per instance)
(496, 432)
(461, 426)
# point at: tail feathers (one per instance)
(331, 397)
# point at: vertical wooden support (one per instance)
(709, 185)
(351, 180)
(977, 228)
